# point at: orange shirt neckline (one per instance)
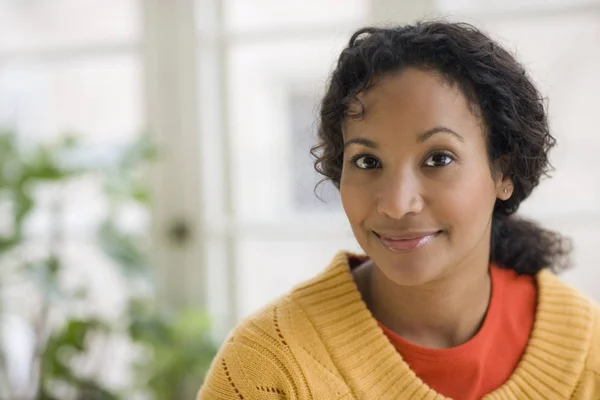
(486, 361)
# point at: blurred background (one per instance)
(156, 184)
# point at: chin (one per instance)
(409, 272)
(408, 269)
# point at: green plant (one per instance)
(180, 350)
(175, 349)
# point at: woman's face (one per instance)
(416, 183)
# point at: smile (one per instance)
(405, 245)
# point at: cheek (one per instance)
(356, 200)
(469, 203)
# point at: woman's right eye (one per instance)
(366, 162)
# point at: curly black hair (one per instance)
(499, 91)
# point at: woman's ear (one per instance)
(503, 178)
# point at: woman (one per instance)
(434, 135)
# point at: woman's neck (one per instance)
(440, 314)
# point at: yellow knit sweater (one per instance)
(321, 342)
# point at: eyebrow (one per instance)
(362, 141)
(420, 139)
(438, 129)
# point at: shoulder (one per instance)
(276, 326)
(255, 359)
(275, 350)
(579, 313)
(593, 362)
(589, 385)
(288, 322)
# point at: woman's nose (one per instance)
(400, 195)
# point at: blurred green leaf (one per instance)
(181, 349)
(140, 151)
(127, 179)
(61, 347)
(7, 243)
(122, 248)
(45, 273)
(23, 205)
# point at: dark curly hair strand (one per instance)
(501, 94)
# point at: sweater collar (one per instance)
(550, 368)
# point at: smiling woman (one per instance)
(434, 135)
(412, 192)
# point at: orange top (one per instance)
(484, 363)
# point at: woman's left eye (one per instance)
(439, 160)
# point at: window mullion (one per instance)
(170, 58)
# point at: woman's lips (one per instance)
(406, 245)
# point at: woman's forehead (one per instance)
(412, 100)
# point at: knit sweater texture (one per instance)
(321, 342)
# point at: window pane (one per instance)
(272, 110)
(303, 110)
(567, 72)
(584, 232)
(243, 15)
(269, 268)
(50, 23)
(97, 97)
